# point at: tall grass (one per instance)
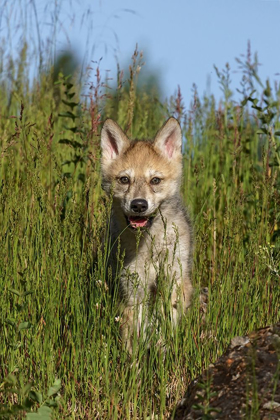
(60, 324)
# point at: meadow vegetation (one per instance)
(61, 354)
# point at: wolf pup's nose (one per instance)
(139, 205)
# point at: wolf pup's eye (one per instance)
(155, 181)
(124, 180)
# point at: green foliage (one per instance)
(21, 399)
(59, 318)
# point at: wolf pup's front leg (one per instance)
(148, 222)
(134, 325)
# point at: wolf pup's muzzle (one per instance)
(139, 206)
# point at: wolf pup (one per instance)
(149, 225)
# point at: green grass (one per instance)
(58, 319)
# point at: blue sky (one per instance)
(181, 40)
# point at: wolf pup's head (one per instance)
(141, 175)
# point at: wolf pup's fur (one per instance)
(148, 222)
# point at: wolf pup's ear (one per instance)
(168, 140)
(113, 140)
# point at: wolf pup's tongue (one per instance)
(137, 222)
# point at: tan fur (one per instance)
(166, 245)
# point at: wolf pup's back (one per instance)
(148, 223)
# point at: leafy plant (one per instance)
(23, 398)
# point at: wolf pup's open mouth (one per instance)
(136, 222)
